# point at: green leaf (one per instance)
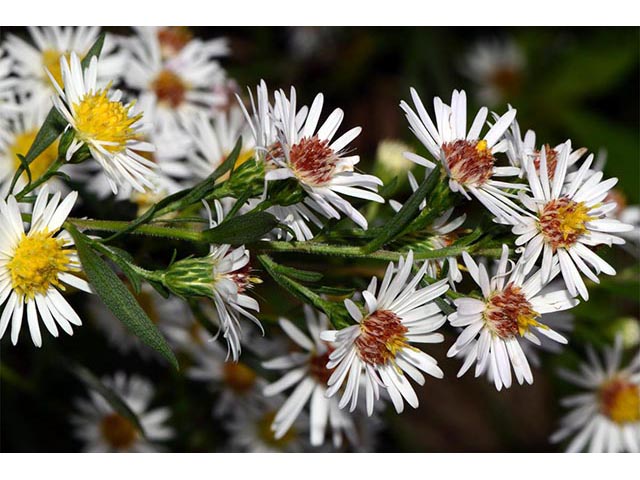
(118, 405)
(302, 275)
(406, 214)
(124, 260)
(185, 197)
(337, 313)
(94, 51)
(118, 298)
(241, 230)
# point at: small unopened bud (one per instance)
(191, 277)
(629, 329)
(391, 160)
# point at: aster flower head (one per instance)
(320, 164)
(102, 429)
(606, 416)
(566, 218)
(224, 276)
(38, 65)
(16, 137)
(37, 264)
(110, 129)
(309, 373)
(214, 139)
(378, 350)
(238, 387)
(497, 69)
(512, 309)
(250, 430)
(468, 160)
(522, 149)
(8, 83)
(178, 77)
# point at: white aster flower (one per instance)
(320, 164)
(250, 431)
(308, 371)
(180, 82)
(565, 219)
(237, 386)
(440, 234)
(606, 417)
(509, 311)
(468, 160)
(102, 429)
(497, 69)
(35, 265)
(520, 149)
(377, 352)
(224, 275)
(104, 124)
(33, 61)
(267, 148)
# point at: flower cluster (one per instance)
(232, 184)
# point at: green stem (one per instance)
(53, 168)
(357, 252)
(150, 230)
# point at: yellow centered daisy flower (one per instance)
(40, 52)
(604, 413)
(35, 265)
(109, 128)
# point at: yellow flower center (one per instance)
(562, 221)
(37, 262)
(100, 119)
(620, 401)
(21, 145)
(51, 61)
(239, 377)
(119, 432)
(469, 162)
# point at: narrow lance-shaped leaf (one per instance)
(118, 298)
(118, 405)
(185, 197)
(243, 229)
(406, 214)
